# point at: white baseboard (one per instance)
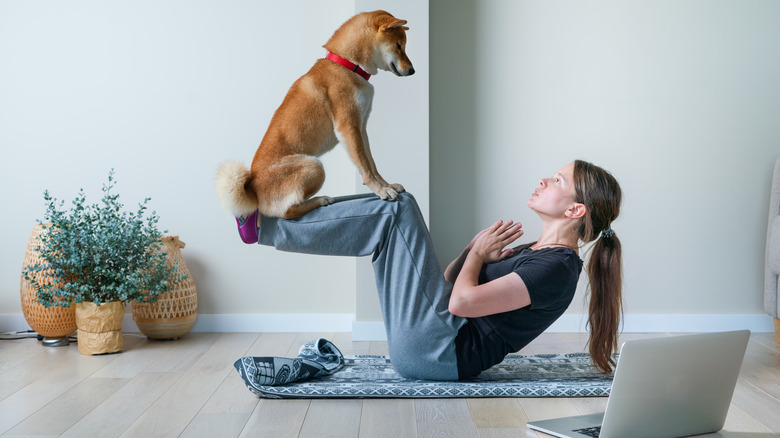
(375, 330)
(13, 323)
(674, 323)
(632, 323)
(231, 323)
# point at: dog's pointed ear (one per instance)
(392, 22)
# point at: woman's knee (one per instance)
(408, 200)
(407, 203)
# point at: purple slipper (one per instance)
(247, 228)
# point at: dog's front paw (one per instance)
(387, 193)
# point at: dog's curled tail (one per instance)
(233, 188)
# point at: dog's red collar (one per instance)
(352, 66)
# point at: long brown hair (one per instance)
(599, 191)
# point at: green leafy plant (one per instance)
(100, 253)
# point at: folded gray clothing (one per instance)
(324, 353)
(315, 358)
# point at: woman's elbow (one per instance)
(463, 300)
(454, 309)
(459, 308)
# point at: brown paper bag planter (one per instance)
(54, 323)
(174, 313)
(100, 327)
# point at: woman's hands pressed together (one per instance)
(489, 243)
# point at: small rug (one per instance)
(543, 375)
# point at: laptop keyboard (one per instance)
(589, 431)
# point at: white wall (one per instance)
(163, 92)
(680, 100)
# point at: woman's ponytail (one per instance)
(599, 191)
(606, 302)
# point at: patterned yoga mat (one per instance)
(543, 375)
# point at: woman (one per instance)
(490, 301)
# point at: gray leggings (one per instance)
(412, 291)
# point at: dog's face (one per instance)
(390, 48)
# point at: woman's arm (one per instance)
(469, 298)
(453, 269)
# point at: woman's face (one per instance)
(555, 194)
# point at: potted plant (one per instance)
(100, 257)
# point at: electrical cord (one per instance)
(18, 333)
(33, 335)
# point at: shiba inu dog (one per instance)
(329, 104)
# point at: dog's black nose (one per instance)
(411, 71)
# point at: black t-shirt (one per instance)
(551, 275)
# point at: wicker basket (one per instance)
(777, 330)
(54, 322)
(174, 313)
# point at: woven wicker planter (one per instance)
(174, 313)
(54, 322)
(100, 327)
(777, 330)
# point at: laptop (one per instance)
(664, 387)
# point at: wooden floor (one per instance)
(189, 388)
